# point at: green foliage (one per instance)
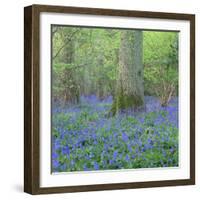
(161, 65)
(94, 63)
(85, 61)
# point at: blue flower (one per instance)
(133, 156)
(85, 135)
(125, 137)
(115, 154)
(66, 150)
(111, 162)
(54, 155)
(96, 166)
(127, 158)
(56, 163)
(171, 149)
(63, 167)
(85, 168)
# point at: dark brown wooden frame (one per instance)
(32, 105)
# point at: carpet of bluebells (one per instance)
(84, 138)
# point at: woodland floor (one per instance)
(84, 138)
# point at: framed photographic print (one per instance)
(109, 99)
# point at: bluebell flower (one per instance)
(56, 163)
(133, 156)
(66, 150)
(127, 158)
(96, 166)
(111, 161)
(63, 167)
(54, 155)
(115, 155)
(125, 137)
(85, 168)
(129, 147)
(79, 137)
(171, 149)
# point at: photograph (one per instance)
(114, 98)
(109, 99)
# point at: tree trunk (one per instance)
(70, 83)
(129, 88)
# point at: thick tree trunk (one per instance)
(129, 89)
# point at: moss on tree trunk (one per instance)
(122, 103)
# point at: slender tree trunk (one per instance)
(71, 87)
(129, 88)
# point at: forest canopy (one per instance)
(85, 62)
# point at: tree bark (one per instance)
(130, 87)
(71, 88)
